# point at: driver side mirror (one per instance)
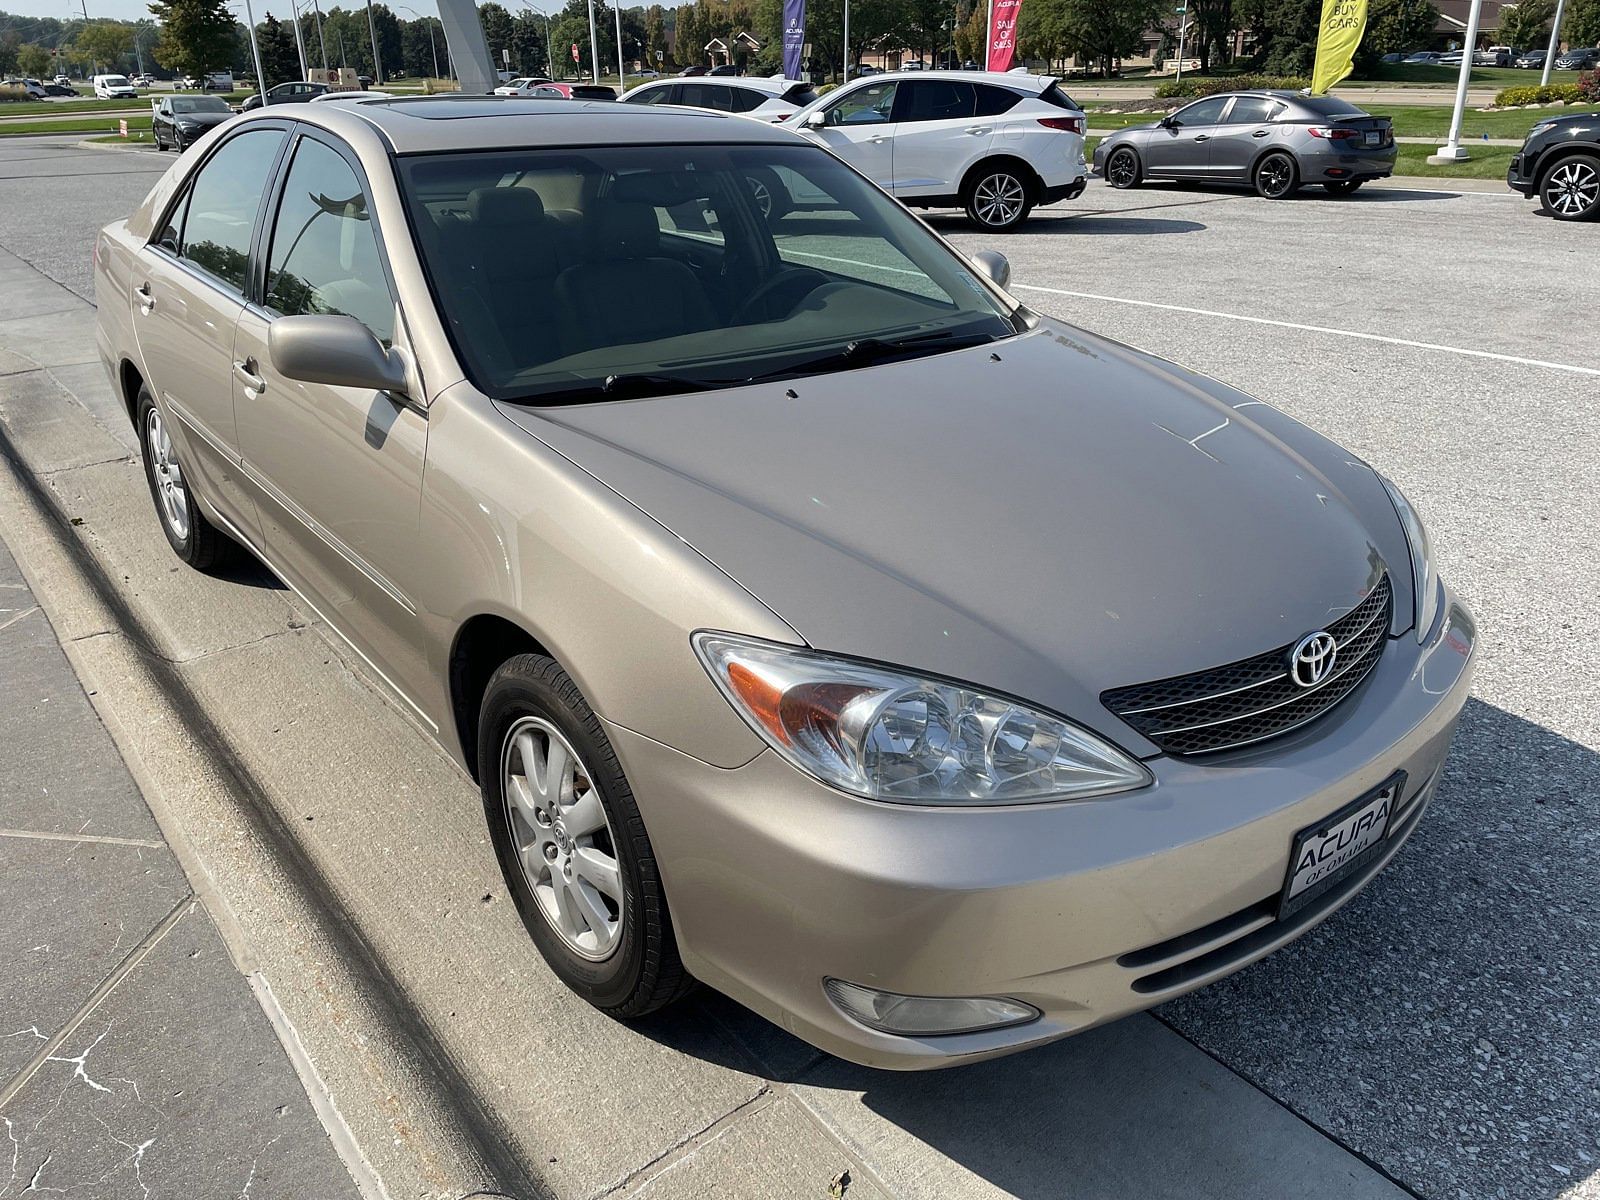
(994, 267)
(340, 351)
(816, 120)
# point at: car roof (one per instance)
(423, 124)
(756, 83)
(1017, 79)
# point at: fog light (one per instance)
(912, 1016)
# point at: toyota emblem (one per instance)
(1311, 660)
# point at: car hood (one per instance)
(205, 119)
(1050, 517)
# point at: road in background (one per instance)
(1440, 1028)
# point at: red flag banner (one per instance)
(1003, 33)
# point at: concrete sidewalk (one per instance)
(134, 1058)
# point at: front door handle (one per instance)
(245, 371)
(147, 302)
(1202, 137)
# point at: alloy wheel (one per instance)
(1123, 170)
(762, 195)
(1275, 176)
(1572, 189)
(563, 838)
(170, 489)
(999, 199)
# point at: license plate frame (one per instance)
(1363, 847)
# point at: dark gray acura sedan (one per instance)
(1274, 142)
(818, 621)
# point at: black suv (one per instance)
(1560, 164)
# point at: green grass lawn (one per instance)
(1487, 162)
(33, 108)
(89, 124)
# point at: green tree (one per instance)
(655, 34)
(1581, 25)
(1286, 33)
(423, 42)
(1402, 25)
(1103, 31)
(1526, 24)
(527, 43)
(1213, 28)
(197, 36)
(496, 31)
(10, 52)
(33, 60)
(280, 61)
(972, 37)
(105, 42)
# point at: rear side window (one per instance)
(1252, 110)
(992, 101)
(934, 100)
(223, 202)
(655, 95)
(325, 257)
(705, 95)
(1054, 95)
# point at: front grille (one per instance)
(1248, 701)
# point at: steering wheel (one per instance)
(779, 295)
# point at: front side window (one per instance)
(1204, 112)
(870, 105)
(664, 272)
(223, 202)
(325, 257)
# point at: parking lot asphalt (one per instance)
(1441, 1029)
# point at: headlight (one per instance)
(892, 735)
(1424, 575)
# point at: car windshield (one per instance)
(199, 104)
(116, 81)
(582, 274)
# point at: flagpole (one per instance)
(988, 37)
(622, 74)
(1555, 40)
(1451, 151)
(594, 45)
(847, 41)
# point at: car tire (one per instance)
(1569, 189)
(1123, 168)
(1344, 187)
(624, 959)
(998, 196)
(1276, 176)
(193, 538)
(771, 197)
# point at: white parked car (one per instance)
(996, 145)
(521, 86)
(774, 99)
(34, 88)
(114, 87)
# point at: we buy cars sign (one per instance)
(1003, 33)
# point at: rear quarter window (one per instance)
(1054, 95)
(992, 101)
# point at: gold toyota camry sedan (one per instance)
(819, 622)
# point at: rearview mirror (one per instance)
(335, 350)
(994, 267)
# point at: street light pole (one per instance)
(255, 50)
(377, 62)
(847, 41)
(1183, 30)
(1555, 40)
(300, 41)
(622, 70)
(321, 41)
(1451, 151)
(594, 45)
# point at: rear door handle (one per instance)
(1262, 133)
(254, 385)
(975, 130)
(147, 302)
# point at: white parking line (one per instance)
(1350, 333)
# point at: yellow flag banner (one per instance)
(1343, 24)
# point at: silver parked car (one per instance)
(819, 622)
(1272, 141)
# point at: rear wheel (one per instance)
(1277, 176)
(1343, 187)
(571, 843)
(1123, 169)
(193, 538)
(998, 197)
(1570, 190)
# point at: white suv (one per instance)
(994, 144)
(773, 99)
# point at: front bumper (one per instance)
(1520, 174)
(1087, 910)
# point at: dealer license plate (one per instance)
(1338, 846)
(1374, 138)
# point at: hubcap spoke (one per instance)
(591, 910)
(585, 815)
(600, 871)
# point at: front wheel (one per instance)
(1122, 168)
(1571, 189)
(1343, 187)
(571, 843)
(1277, 176)
(998, 199)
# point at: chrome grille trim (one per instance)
(1209, 711)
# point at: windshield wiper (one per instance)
(620, 387)
(866, 351)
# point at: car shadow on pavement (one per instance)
(1443, 1025)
